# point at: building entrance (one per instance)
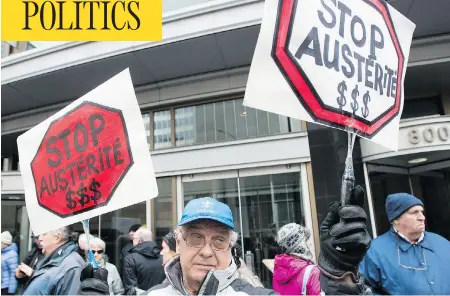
(424, 175)
(262, 200)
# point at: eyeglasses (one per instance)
(97, 251)
(198, 241)
(424, 264)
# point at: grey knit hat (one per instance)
(292, 239)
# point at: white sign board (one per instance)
(337, 63)
(88, 159)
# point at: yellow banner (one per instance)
(82, 20)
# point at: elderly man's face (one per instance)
(412, 222)
(49, 242)
(198, 249)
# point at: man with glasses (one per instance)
(407, 259)
(142, 267)
(205, 265)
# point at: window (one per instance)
(226, 121)
(146, 119)
(215, 122)
(163, 209)
(162, 129)
(30, 46)
(115, 226)
(4, 45)
(171, 5)
(268, 202)
(422, 107)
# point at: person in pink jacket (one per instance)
(294, 271)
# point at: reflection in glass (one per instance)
(268, 203)
(221, 132)
(161, 129)
(15, 220)
(226, 121)
(263, 122)
(210, 123)
(230, 116)
(224, 190)
(172, 5)
(115, 226)
(163, 209)
(296, 125)
(146, 119)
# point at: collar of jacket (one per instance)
(214, 282)
(54, 259)
(58, 255)
(404, 244)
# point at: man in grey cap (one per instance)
(407, 259)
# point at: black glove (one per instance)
(94, 281)
(344, 238)
(334, 287)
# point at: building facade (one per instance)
(12, 47)
(270, 169)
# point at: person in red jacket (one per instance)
(294, 271)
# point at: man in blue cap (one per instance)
(205, 265)
(407, 259)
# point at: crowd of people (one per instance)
(202, 257)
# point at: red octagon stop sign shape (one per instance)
(344, 63)
(81, 160)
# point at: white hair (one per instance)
(65, 233)
(83, 241)
(144, 234)
(97, 242)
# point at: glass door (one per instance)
(222, 186)
(270, 199)
(15, 220)
(430, 186)
(262, 201)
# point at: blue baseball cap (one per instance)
(207, 208)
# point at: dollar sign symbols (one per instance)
(93, 187)
(354, 104)
(366, 100)
(71, 203)
(84, 198)
(341, 100)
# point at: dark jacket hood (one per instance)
(147, 249)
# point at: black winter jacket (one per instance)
(123, 254)
(33, 258)
(142, 268)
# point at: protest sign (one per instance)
(337, 63)
(88, 159)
